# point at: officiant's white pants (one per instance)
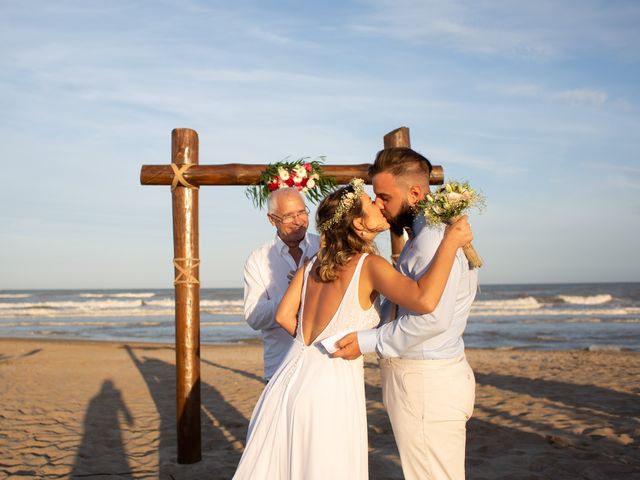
(429, 403)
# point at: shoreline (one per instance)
(258, 341)
(83, 407)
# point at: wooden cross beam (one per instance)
(185, 175)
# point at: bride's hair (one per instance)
(341, 242)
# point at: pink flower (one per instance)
(308, 167)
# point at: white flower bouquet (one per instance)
(447, 204)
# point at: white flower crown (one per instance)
(347, 200)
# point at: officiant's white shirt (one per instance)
(265, 282)
(437, 335)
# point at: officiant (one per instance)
(269, 269)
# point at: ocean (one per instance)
(542, 316)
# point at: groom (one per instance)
(428, 387)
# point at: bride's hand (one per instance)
(459, 233)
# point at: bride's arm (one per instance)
(287, 313)
(423, 295)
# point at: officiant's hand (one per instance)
(348, 347)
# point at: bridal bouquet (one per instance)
(447, 204)
(304, 175)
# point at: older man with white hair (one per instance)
(270, 267)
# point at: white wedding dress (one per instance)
(310, 421)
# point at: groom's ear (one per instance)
(415, 194)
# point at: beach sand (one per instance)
(107, 410)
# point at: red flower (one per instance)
(308, 167)
(289, 182)
(272, 186)
(298, 187)
(304, 181)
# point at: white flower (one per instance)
(314, 176)
(297, 179)
(300, 171)
(311, 183)
(454, 198)
(305, 189)
(283, 174)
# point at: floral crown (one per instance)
(347, 201)
(303, 175)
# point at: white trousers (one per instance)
(429, 403)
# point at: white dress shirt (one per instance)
(265, 282)
(437, 335)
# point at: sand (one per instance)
(107, 410)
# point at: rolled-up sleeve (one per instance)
(407, 331)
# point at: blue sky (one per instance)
(535, 103)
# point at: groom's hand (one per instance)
(348, 347)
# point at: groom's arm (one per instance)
(397, 337)
(259, 308)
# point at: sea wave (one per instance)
(15, 295)
(107, 312)
(87, 305)
(588, 300)
(85, 323)
(575, 314)
(526, 303)
(604, 348)
(117, 295)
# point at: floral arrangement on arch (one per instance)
(303, 174)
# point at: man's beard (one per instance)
(402, 220)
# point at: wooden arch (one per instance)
(186, 175)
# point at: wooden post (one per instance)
(397, 138)
(184, 152)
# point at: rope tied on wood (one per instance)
(178, 176)
(185, 271)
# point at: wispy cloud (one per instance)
(577, 96)
(544, 29)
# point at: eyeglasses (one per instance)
(290, 218)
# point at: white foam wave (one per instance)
(588, 300)
(222, 324)
(604, 348)
(49, 323)
(549, 312)
(107, 312)
(526, 303)
(117, 295)
(15, 295)
(112, 308)
(71, 305)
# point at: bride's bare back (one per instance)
(322, 299)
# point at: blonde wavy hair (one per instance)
(340, 243)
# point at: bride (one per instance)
(310, 421)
